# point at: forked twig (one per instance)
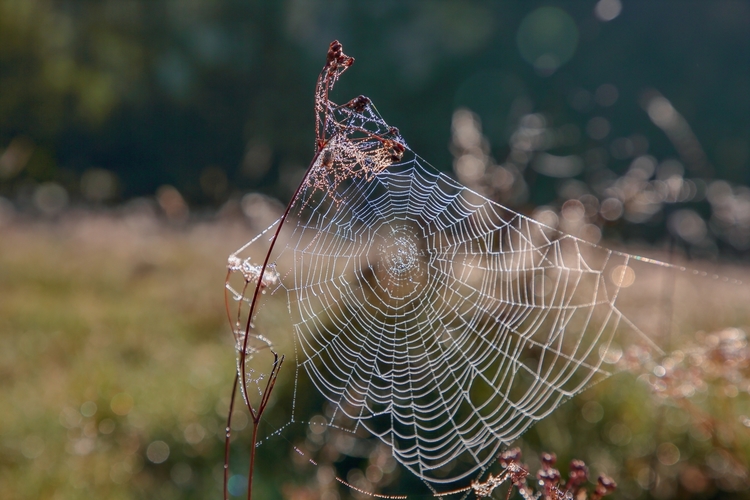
(258, 413)
(255, 415)
(227, 438)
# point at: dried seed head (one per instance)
(549, 476)
(606, 483)
(358, 104)
(335, 51)
(578, 475)
(507, 457)
(336, 59)
(548, 459)
(395, 150)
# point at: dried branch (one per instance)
(344, 151)
(548, 478)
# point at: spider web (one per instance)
(439, 321)
(434, 319)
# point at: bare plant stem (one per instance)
(256, 416)
(253, 444)
(240, 378)
(256, 420)
(328, 76)
(228, 436)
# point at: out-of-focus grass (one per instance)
(114, 343)
(113, 336)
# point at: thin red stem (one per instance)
(252, 460)
(243, 354)
(226, 300)
(256, 421)
(327, 77)
(227, 438)
(256, 293)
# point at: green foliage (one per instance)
(167, 91)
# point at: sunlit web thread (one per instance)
(368, 493)
(441, 322)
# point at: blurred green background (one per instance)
(215, 97)
(132, 131)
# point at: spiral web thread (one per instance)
(438, 321)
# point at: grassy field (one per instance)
(116, 365)
(112, 337)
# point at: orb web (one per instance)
(424, 314)
(438, 320)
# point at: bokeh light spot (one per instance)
(88, 409)
(122, 403)
(237, 485)
(610, 354)
(120, 472)
(592, 412)
(598, 128)
(607, 10)
(194, 433)
(158, 452)
(623, 276)
(557, 166)
(668, 454)
(50, 198)
(107, 426)
(547, 38)
(619, 434)
(181, 473)
(98, 185)
(318, 424)
(611, 209)
(688, 225)
(606, 95)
